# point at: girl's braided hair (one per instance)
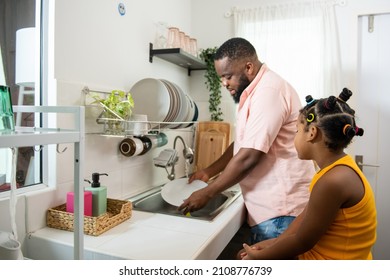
(334, 117)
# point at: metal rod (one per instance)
(341, 3)
(86, 90)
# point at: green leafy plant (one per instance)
(117, 110)
(213, 83)
(118, 104)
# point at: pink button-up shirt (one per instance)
(266, 121)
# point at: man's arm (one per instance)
(236, 169)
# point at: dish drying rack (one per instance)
(127, 126)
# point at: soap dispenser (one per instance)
(99, 195)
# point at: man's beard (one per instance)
(243, 83)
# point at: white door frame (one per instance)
(352, 56)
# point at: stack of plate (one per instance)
(163, 101)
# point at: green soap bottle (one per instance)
(99, 195)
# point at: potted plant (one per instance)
(117, 109)
(213, 84)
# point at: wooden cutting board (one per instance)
(212, 139)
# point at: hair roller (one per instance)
(349, 131)
(330, 102)
(345, 94)
(309, 100)
(359, 131)
(310, 117)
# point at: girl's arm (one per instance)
(329, 194)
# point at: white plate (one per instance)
(151, 97)
(176, 191)
(173, 109)
(183, 105)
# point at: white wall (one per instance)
(103, 50)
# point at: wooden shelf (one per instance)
(179, 57)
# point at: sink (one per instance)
(152, 201)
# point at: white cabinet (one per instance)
(30, 136)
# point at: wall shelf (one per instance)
(179, 57)
(31, 136)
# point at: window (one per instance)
(288, 52)
(18, 63)
(298, 41)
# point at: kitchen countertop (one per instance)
(146, 236)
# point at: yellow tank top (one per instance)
(353, 232)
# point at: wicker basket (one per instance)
(117, 212)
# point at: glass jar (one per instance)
(161, 35)
(7, 121)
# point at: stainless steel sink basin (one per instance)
(152, 201)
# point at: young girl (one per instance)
(339, 221)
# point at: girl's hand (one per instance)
(249, 252)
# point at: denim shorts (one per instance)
(270, 229)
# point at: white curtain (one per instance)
(297, 40)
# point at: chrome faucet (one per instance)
(169, 158)
(188, 154)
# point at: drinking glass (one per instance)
(173, 38)
(194, 47)
(182, 37)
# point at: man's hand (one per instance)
(199, 175)
(196, 201)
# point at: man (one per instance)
(262, 159)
